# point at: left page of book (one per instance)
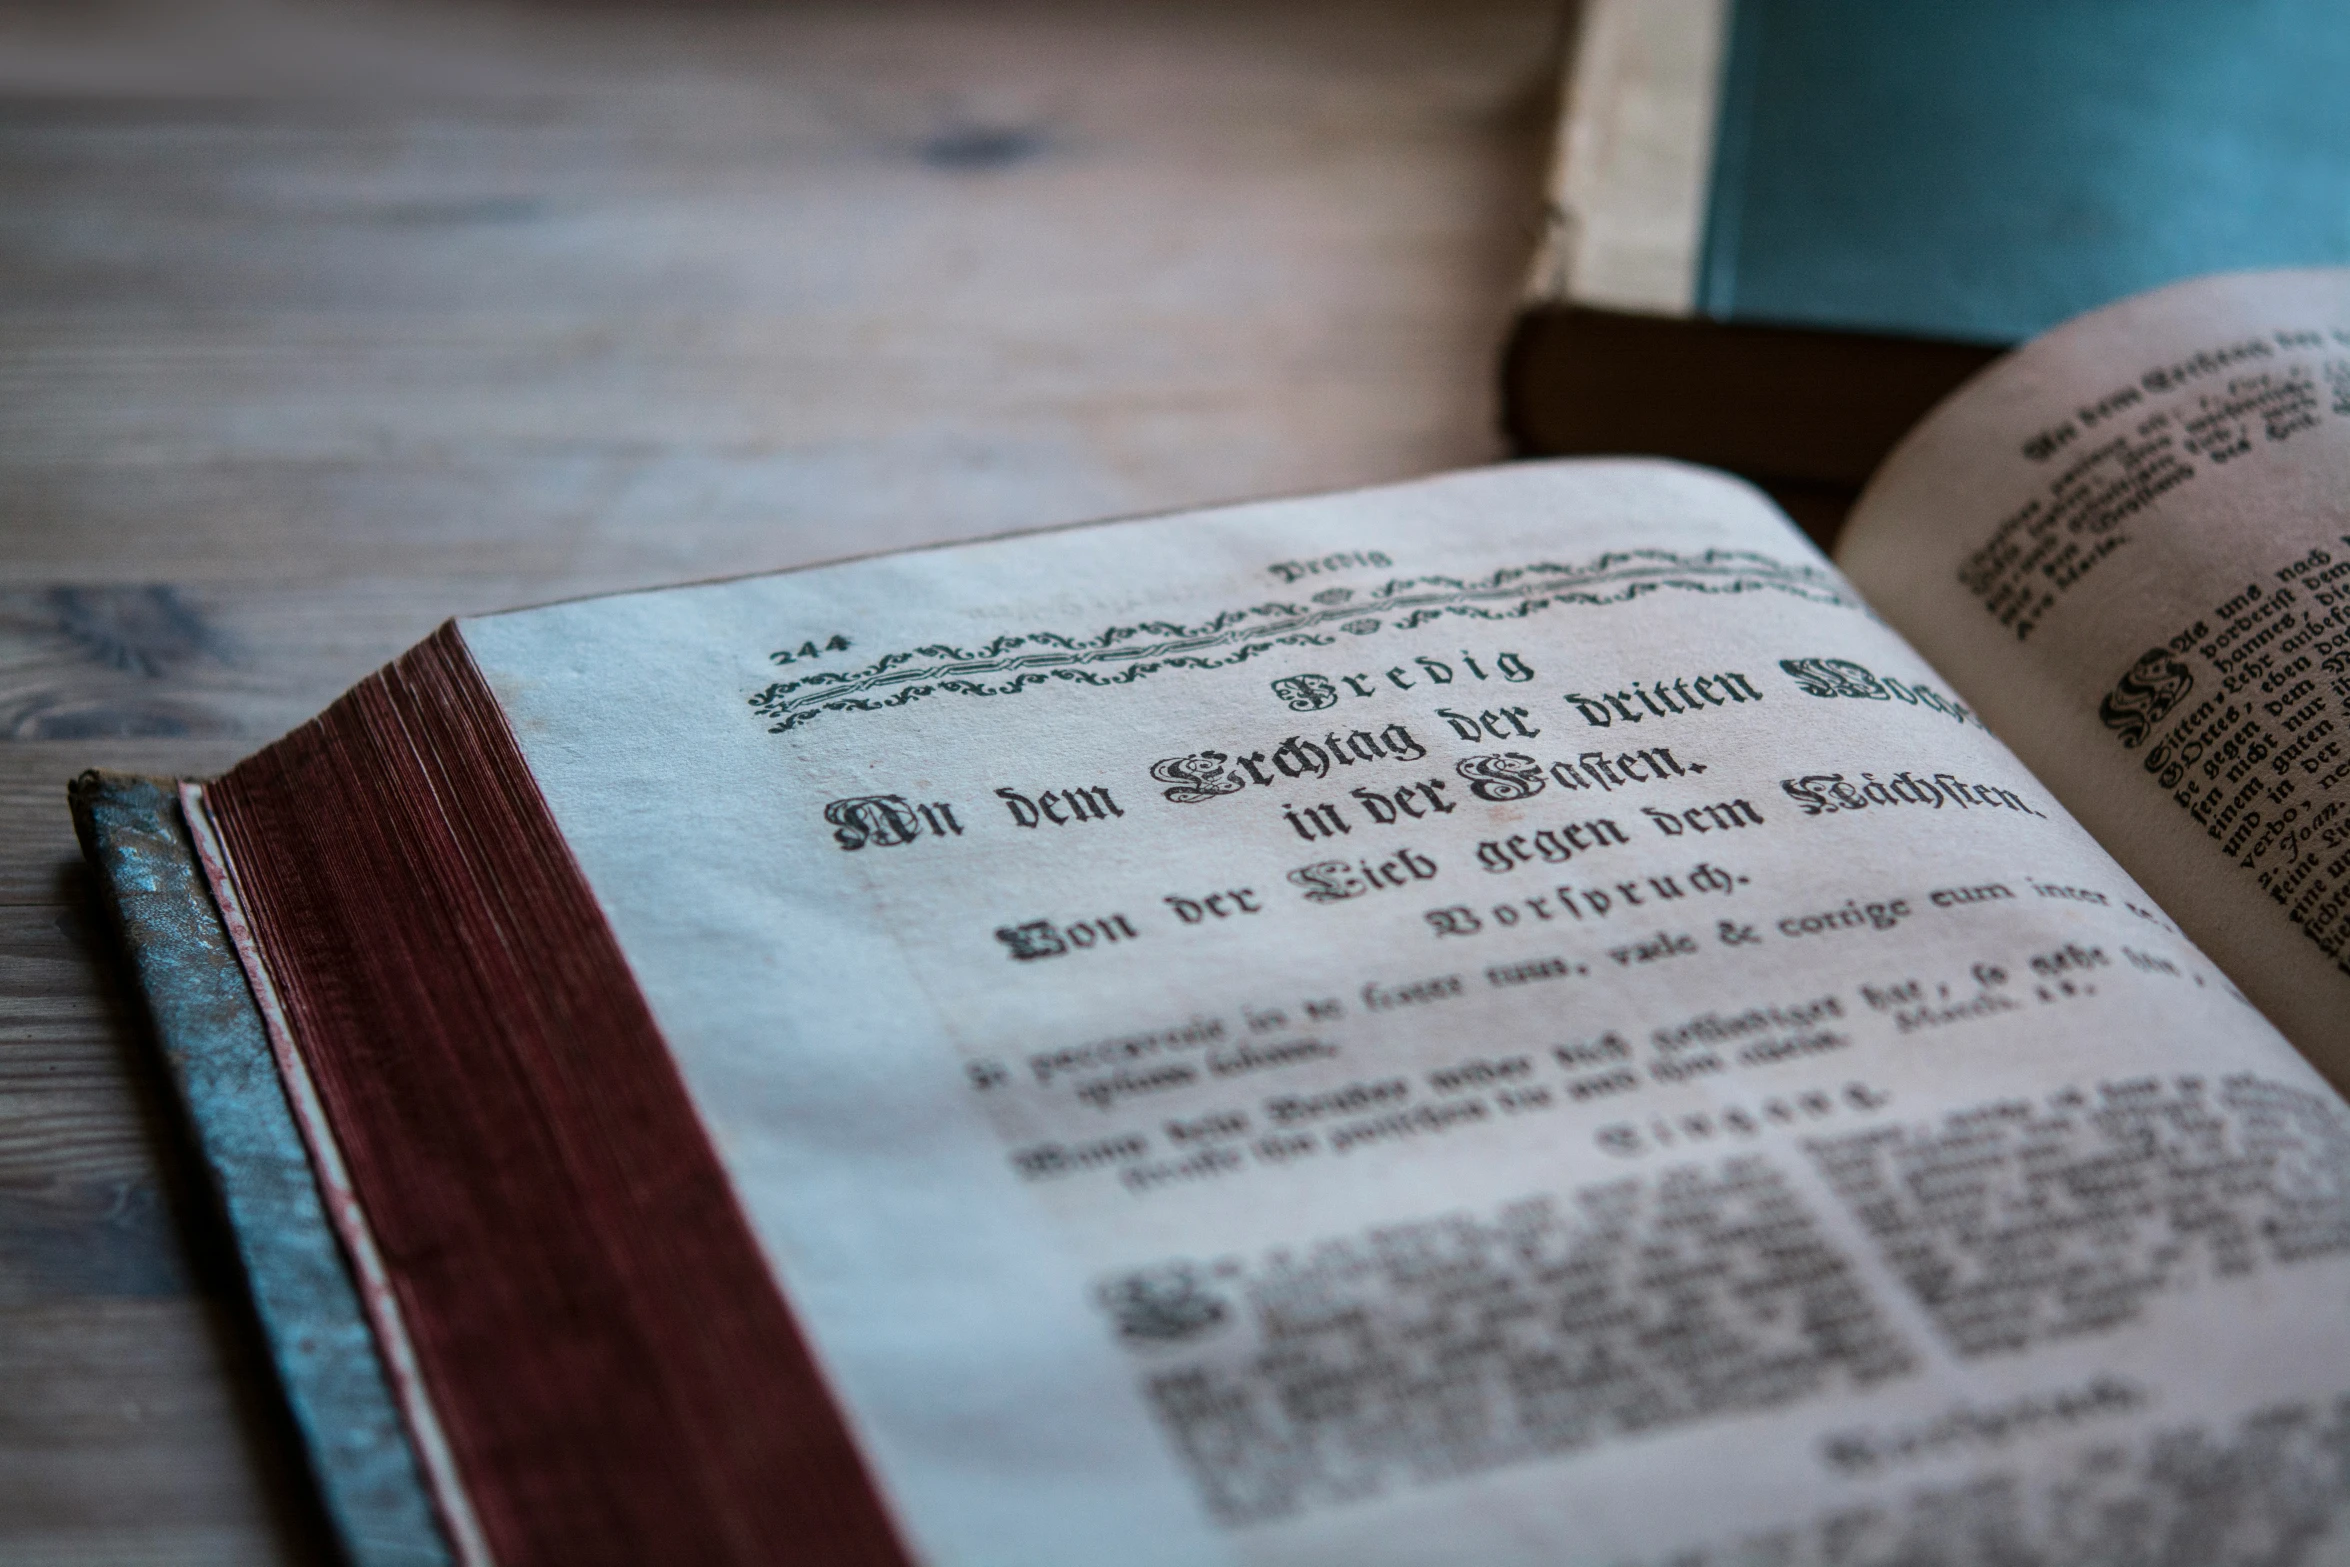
(1416, 1026)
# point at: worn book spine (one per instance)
(217, 1057)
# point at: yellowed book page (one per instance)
(2128, 546)
(1411, 1027)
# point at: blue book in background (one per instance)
(1780, 230)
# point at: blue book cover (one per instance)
(1980, 172)
(1779, 231)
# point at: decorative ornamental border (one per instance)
(1124, 654)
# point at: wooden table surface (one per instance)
(320, 323)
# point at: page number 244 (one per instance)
(836, 643)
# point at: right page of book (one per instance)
(2128, 546)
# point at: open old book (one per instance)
(1517, 1018)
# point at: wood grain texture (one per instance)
(322, 322)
